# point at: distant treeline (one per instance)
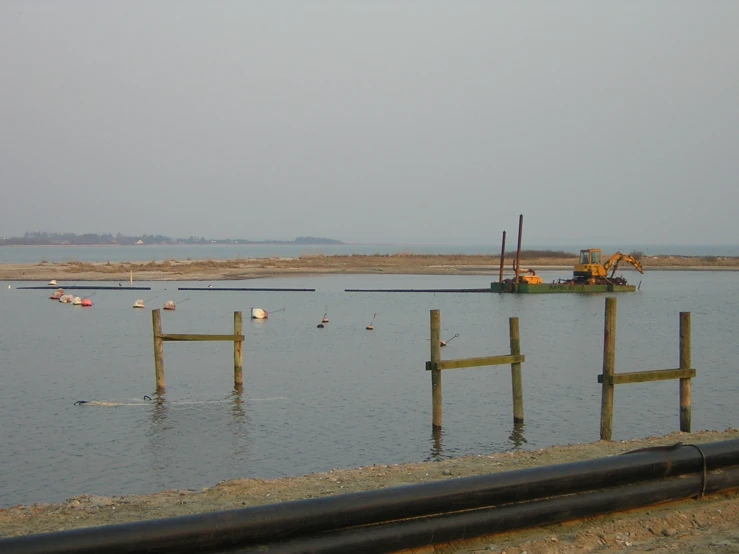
(43, 238)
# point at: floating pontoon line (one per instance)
(89, 287)
(417, 290)
(247, 289)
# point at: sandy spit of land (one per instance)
(695, 526)
(253, 268)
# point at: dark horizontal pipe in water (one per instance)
(446, 528)
(85, 287)
(265, 524)
(246, 289)
(419, 290)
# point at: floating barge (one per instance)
(530, 288)
(589, 276)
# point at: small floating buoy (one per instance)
(169, 305)
(76, 301)
(52, 283)
(320, 326)
(259, 313)
(65, 298)
(86, 302)
(210, 286)
(139, 303)
(325, 319)
(369, 327)
(10, 286)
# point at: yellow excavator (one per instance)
(590, 270)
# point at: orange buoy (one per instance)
(87, 302)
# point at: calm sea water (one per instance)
(36, 254)
(317, 399)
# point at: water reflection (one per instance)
(158, 413)
(517, 437)
(437, 447)
(237, 411)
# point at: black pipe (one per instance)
(195, 533)
(418, 290)
(84, 287)
(245, 289)
(400, 535)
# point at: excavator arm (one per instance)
(613, 262)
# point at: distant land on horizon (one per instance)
(108, 239)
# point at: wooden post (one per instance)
(516, 371)
(518, 253)
(685, 363)
(502, 259)
(156, 319)
(609, 365)
(238, 352)
(436, 373)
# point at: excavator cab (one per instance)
(590, 256)
(590, 266)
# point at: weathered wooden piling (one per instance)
(609, 363)
(685, 363)
(435, 371)
(238, 352)
(156, 318)
(609, 378)
(516, 378)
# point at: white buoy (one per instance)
(139, 303)
(259, 313)
(52, 282)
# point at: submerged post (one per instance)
(516, 379)
(518, 253)
(502, 259)
(609, 365)
(685, 363)
(238, 352)
(435, 372)
(156, 319)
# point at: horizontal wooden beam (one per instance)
(186, 337)
(476, 362)
(644, 376)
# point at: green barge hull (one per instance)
(527, 288)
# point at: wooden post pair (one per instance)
(159, 338)
(610, 378)
(436, 365)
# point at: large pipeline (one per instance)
(401, 535)
(241, 528)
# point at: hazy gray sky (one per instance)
(372, 120)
